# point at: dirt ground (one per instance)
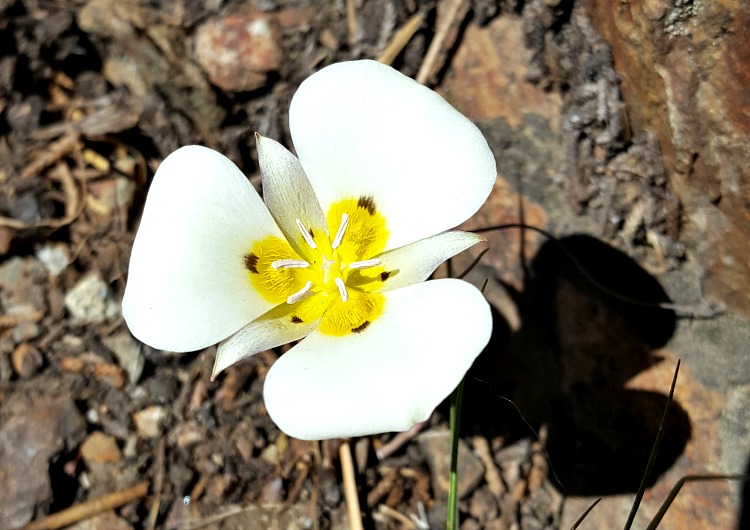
(94, 94)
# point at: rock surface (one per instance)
(32, 434)
(685, 72)
(436, 448)
(578, 165)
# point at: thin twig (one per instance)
(453, 13)
(52, 153)
(491, 474)
(350, 486)
(85, 510)
(401, 38)
(399, 440)
(406, 523)
(73, 203)
(7, 321)
(351, 22)
(158, 484)
(312, 504)
(304, 470)
(195, 524)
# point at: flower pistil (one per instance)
(336, 281)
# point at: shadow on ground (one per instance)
(745, 501)
(589, 324)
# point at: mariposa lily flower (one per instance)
(336, 258)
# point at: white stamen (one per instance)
(308, 238)
(364, 264)
(342, 228)
(299, 295)
(342, 289)
(289, 264)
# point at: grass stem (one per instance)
(455, 423)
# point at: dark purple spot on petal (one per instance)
(296, 320)
(361, 327)
(367, 203)
(384, 275)
(251, 263)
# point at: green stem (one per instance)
(455, 422)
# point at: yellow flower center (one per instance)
(333, 281)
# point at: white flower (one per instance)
(337, 256)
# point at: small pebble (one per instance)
(54, 256)
(89, 301)
(26, 360)
(435, 445)
(100, 447)
(238, 51)
(148, 422)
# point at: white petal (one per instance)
(256, 337)
(270, 330)
(361, 128)
(288, 194)
(415, 262)
(187, 286)
(388, 377)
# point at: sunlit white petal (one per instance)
(415, 262)
(187, 287)
(363, 129)
(289, 195)
(388, 377)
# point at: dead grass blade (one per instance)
(676, 489)
(654, 452)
